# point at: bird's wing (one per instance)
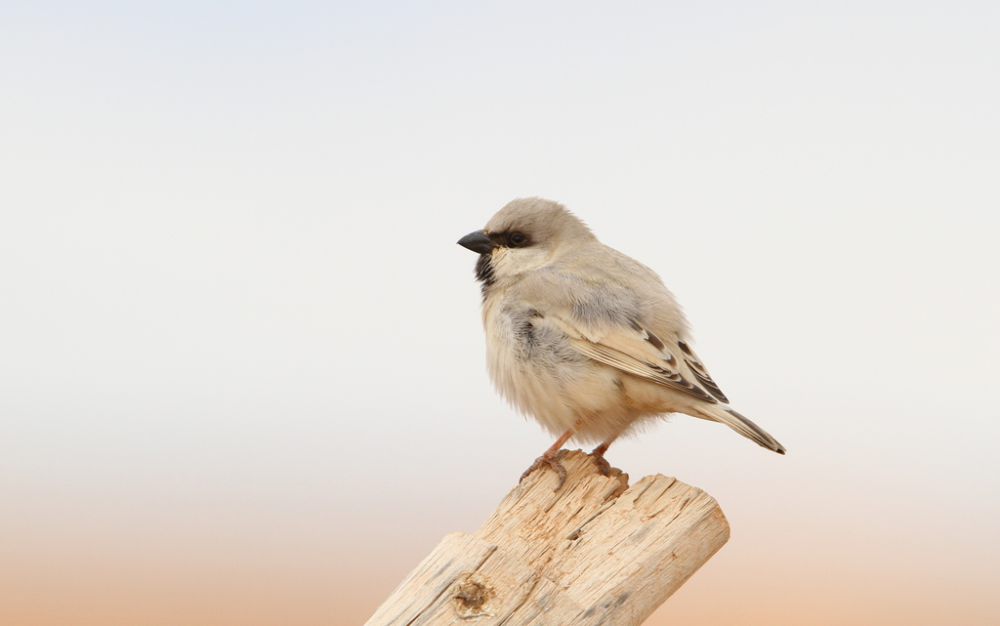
(636, 350)
(700, 372)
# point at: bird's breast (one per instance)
(535, 367)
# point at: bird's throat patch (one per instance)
(484, 272)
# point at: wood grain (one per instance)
(595, 552)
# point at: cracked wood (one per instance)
(595, 552)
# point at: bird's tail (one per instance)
(742, 425)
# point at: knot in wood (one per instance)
(472, 593)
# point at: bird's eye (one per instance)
(518, 239)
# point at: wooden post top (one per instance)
(596, 551)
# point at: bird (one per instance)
(584, 339)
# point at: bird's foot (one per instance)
(597, 456)
(553, 462)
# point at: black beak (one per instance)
(477, 242)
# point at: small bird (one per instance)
(583, 338)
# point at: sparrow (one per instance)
(584, 339)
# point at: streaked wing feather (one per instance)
(635, 351)
(701, 372)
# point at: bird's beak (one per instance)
(477, 242)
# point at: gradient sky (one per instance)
(241, 358)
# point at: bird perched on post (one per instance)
(583, 338)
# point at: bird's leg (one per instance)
(550, 458)
(597, 454)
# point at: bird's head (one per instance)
(524, 235)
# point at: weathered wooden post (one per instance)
(595, 552)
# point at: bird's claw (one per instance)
(601, 463)
(553, 462)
